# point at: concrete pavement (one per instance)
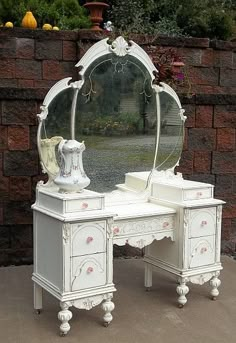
(139, 316)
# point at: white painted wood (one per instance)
(202, 251)
(88, 238)
(176, 220)
(88, 271)
(202, 222)
(38, 297)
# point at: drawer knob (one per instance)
(165, 224)
(199, 194)
(203, 250)
(84, 205)
(204, 222)
(89, 270)
(89, 239)
(116, 230)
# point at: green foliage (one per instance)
(67, 14)
(202, 18)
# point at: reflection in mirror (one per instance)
(116, 116)
(54, 128)
(171, 133)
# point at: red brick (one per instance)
(225, 139)
(1, 163)
(217, 58)
(69, 70)
(190, 114)
(25, 48)
(3, 138)
(224, 185)
(202, 139)
(4, 188)
(48, 49)
(18, 138)
(19, 112)
(25, 83)
(202, 162)
(17, 212)
(204, 116)
(204, 76)
(7, 47)
(69, 51)
(208, 57)
(52, 70)
(185, 144)
(44, 84)
(224, 162)
(186, 163)
(28, 69)
(228, 77)
(8, 83)
(1, 216)
(225, 116)
(20, 188)
(229, 210)
(191, 56)
(7, 68)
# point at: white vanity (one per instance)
(126, 120)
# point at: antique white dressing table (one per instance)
(126, 121)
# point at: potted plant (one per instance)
(96, 9)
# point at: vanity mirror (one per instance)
(129, 131)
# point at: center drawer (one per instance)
(88, 238)
(202, 222)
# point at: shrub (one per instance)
(67, 14)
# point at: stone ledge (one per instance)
(39, 34)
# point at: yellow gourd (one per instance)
(47, 27)
(29, 21)
(55, 28)
(9, 24)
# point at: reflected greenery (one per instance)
(171, 133)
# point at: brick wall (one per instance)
(32, 61)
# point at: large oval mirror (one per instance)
(116, 116)
(171, 131)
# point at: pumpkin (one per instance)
(47, 27)
(29, 21)
(55, 28)
(9, 24)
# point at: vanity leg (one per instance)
(64, 316)
(148, 276)
(182, 289)
(108, 306)
(215, 283)
(38, 298)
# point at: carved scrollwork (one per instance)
(143, 226)
(66, 233)
(200, 279)
(120, 47)
(89, 302)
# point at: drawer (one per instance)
(81, 205)
(202, 222)
(89, 238)
(88, 271)
(201, 251)
(197, 194)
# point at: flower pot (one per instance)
(176, 66)
(96, 10)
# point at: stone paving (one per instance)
(139, 316)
